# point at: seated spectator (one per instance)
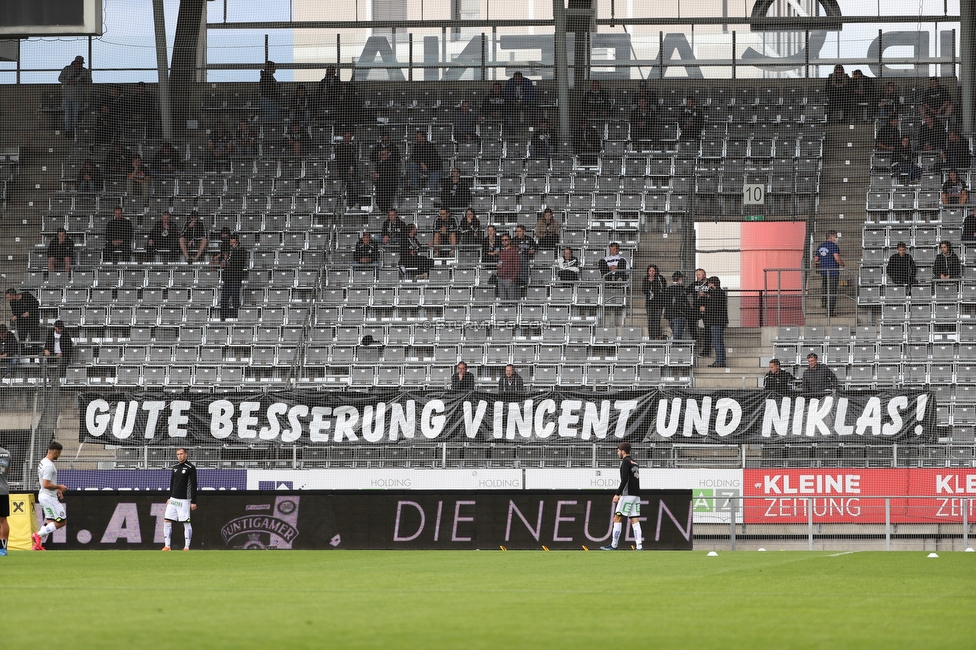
(643, 122)
(163, 240)
(510, 384)
(245, 142)
(193, 239)
(412, 263)
(818, 378)
(903, 161)
(347, 170)
(520, 98)
(862, 92)
(495, 106)
(889, 135)
(643, 92)
(89, 178)
(542, 144)
(957, 153)
(425, 166)
(462, 380)
(969, 227)
(9, 350)
(596, 103)
(588, 143)
(936, 101)
(490, 245)
(300, 106)
(456, 193)
(932, 136)
(547, 230)
(386, 181)
(568, 266)
(691, 120)
(367, 254)
(220, 146)
(106, 125)
(118, 238)
(470, 229)
(167, 161)
(466, 123)
(223, 250)
(138, 180)
(58, 348)
(888, 101)
(839, 95)
(509, 269)
(296, 141)
(25, 314)
(117, 162)
(445, 231)
(954, 191)
(777, 379)
(901, 267)
(60, 252)
(385, 142)
(614, 266)
(394, 230)
(117, 103)
(947, 265)
(142, 107)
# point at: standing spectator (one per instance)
(508, 271)
(839, 94)
(901, 267)
(349, 110)
(328, 91)
(888, 100)
(677, 309)
(118, 238)
(386, 180)
(490, 246)
(643, 122)
(692, 120)
(445, 232)
(139, 179)
(462, 379)
(394, 230)
(596, 103)
(245, 143)
(495, 106)
(703, 338)
(954, 191)
(969, 227)
(220, 146)
(106, 125)
(520, 97)
(412, 263)
(862, 92)
(466, 123)
(547, 230)
(346, 168)
(654, 287)
(142, 107)
(167, 161)
(817, 378)
(300, 106)
(74, 78)
(588, 143)
(527, 248)
(888, 136)
(89, 178)
(936, 101)
(163, 240)
(510, 384)
(223, 250)
(296, 140)
(932, 136)
(828, 260)
(568, 266)
(194, 237)
(903, 161)
(9, 354)
(269, 93)
(25, 314)
(58, 348)
(614, 266)
(947, 265)
(456, 193)
(60, 252)
(541, 145)
(425, 166)
(470, 229)
(777, 379)
(367, 254)
(117, 104)
(232, 275)
(716, 311)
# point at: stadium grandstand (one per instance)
(729, 137)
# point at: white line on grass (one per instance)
(844, 553)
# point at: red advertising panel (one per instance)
(857, 495)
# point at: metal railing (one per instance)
(801, 296)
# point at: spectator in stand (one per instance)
(643, 92)
(425, 166)
(520, 97)
(932, 136)
(588, 143)
(328, 90)
(817, 378)
(194, 238)
(495, 106)
(224, 247)
(527, 248)
(829, 262)
(509, 266)
(386, 180)
(367, 254)
(106, 125)
(956, 153)
(862, 92)
(245, 142)
(677, 309)
(296, 140)
(118, 104)
(889, 135)
(547, 230)
(889, 100)
(614, 266)
(60, 252)
(954, 190)
(466, 123)
(233, 268)
(643, 122)
(220, 146)
(142, 107)
(839, 95)
(969, 227)
(58, 348)
(347, 169)
(653, 287)
(703, 339)
(901, 267)
(596, 103)
(138, 180)
(542, 143)
(89, 178)
(490, 246)
(269, 93)
(385, 142)
(936, 101)
(903, 161)
(394, 230)
(691, 120)
(470, 229)
(456, 193)
(349, 109)
(300, 107)
(568, 266)
(947, 265)
(25, 314)
(163, 240)
(74, 80)
(117, 162)
(118, 238)
(778, 380)
(445, 231)
(716, 317)
(510, 384)
(9, 350)
(167, 161)
(462, 380)
(412, 263)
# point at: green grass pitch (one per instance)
(487, 599)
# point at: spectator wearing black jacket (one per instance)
(9, 350)
(425, 166)
(777, 379)
(193, 239)
(25, 314)
(510, 384)
(495, 105)
(677, 309)
(269, 92)
(654, 287)
(699, 289)
(232, 276)
(385, 142)
(932, 136)
(58, 348)
(394, 230)
(118, 238)
(346, 168)
(462, 380)
(367, 254)
(386, 179)
(456, 192)
(692, 120)
(957, 152)
(969, 227)
(60, 252)
(889, 135)
(542, 144)
(716, 311)
(596, 102)
(947, 265)
(818, 378)
(163, 240)
(901, 267)
(588, 143)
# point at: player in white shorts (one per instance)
(627, 499)
(182, 499)
(49, 496)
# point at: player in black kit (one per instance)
(627, 499)
(182, 499)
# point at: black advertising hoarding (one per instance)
(346, 418)
(518, 519)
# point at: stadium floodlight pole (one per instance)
(967, 69)
(162, 68)
(561, 66)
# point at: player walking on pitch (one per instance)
(50, 496)
(627, 499)
(182, 499)
(4, 500)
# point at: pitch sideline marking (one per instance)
(844, 553)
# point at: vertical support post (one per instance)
(660, 55)
(562, 75)
(410, 57)
(887, 523)
(733, 55)
(806, 54)
(294, 456)
(965, 523)
(338, 54)
(809, 523)
(732, 511)
(443, 455)
(880, 54)
(162, 70)
(267, 49)
(484, 56)
(967, 63)
(494, 51)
